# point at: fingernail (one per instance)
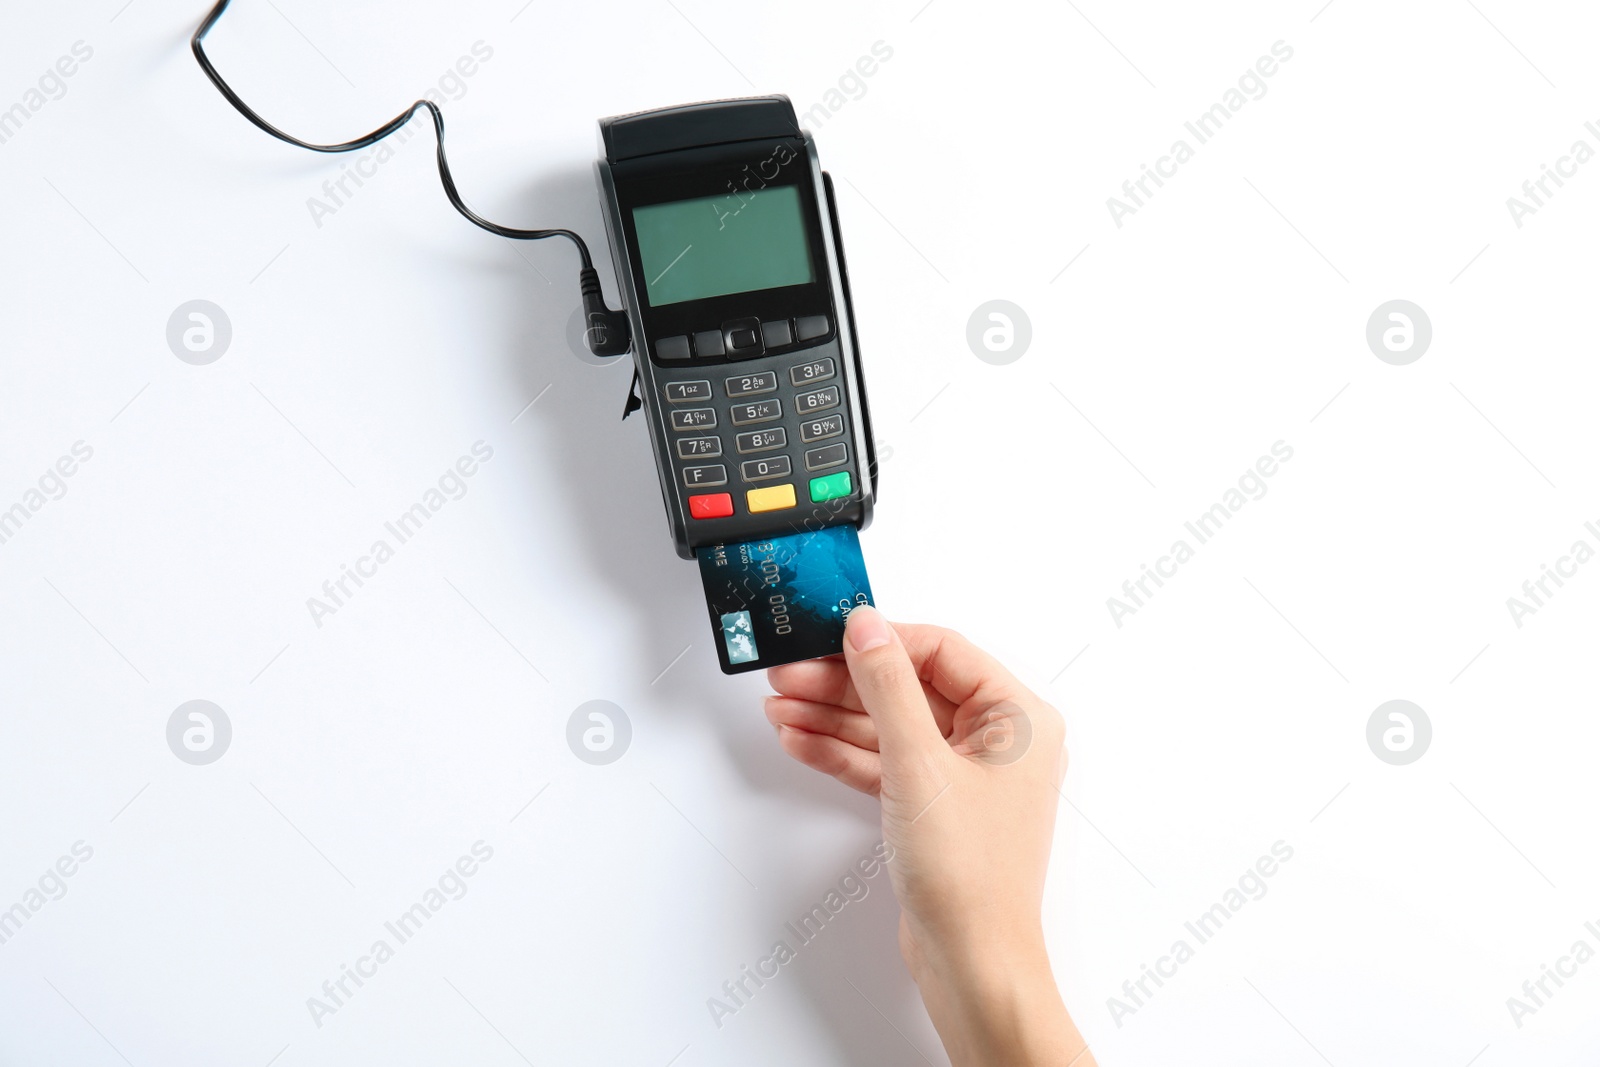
(867, 629)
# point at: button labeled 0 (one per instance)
(758, 470)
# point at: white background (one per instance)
(371, 351)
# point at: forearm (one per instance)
(1000, 1009)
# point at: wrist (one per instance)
(996, 1002)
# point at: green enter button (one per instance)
(831, 487)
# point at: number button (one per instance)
(818, 370)
(755, 470)
(695, 477)
(693, 418)
(678, 392)
(821, 429)
(750, 384)
(761, 440)
(817, 400)
(760, 411)
(699, 447)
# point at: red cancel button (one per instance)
(711, 505)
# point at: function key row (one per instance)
(743, 338)
(771, 497)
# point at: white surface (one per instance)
(976, 166)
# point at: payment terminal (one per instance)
(725, 238)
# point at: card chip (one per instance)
(740, 637)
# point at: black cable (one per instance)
(607, 331)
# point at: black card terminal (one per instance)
(725, 239)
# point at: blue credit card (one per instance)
(783, 599)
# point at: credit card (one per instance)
(783, 599)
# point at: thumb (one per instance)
(888, 686)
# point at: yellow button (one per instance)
(772, 498)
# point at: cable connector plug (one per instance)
(604, 330)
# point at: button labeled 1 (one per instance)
(678, 392)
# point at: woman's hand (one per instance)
(967, 762)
